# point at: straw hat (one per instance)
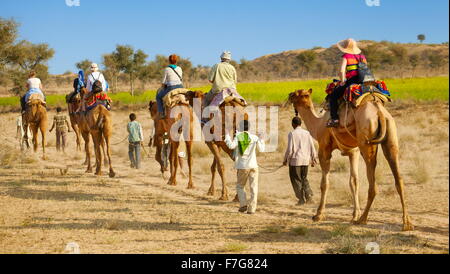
(348, 46)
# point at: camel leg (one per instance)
(324, 159)
(212, 188)
(159, 160)
(173, 163)
(354, 183)
(390, 151)
(87, 149)
(96, 137)
(43, 129)
(369, 153)
(189, 160)
(34, 131)
(220, 168)
(105, 159)
(107, 138)
(26, 137)
(76, 130)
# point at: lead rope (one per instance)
(345, 121)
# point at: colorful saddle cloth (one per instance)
(100, 98)
(355, 91)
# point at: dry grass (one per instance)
(233, 248)
(421, 172)
(300, 230)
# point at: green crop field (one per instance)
(421, 89)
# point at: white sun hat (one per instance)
(226, 55)
(94, 67)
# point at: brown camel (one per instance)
(162, 129)
(35, 117)
(81, 128)
(216, 146)
(98, 123)
(367, 126)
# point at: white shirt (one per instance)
(171, 78)
(248, 160)
(300, 150)
(34, 83)
(98, 76)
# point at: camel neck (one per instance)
(311, 119)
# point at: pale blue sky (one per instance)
(202, 29)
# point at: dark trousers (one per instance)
(336, 94)
(61, 139)
(161, 94)
(298, 176)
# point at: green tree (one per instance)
(421, 37)
(306, 60)
(130, 62)
(8, 35)
(414, 62)
(24, 57)
(112, 70)
(84, 65)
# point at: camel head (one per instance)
(191, 95)
(301, 98)
(83, 91)
(152, 108)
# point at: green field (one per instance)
(421, 89)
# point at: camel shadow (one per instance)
(107, 224)
(313, 235)
(22, 193)
(31, 182)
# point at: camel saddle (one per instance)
(96, 99)
(36, 96)
(175, 97)
(356, 93)
(228, 95)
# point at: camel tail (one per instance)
(381, 128)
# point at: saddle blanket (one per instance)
(228, 95)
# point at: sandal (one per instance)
(333, 123)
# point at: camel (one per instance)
(75, 104)
(98, 123)
(162, 129)
(367, 126)
(81, 128)
(35, 117)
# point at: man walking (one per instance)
(244, 145)
(300, 153)
(62, 127)
(135, 139)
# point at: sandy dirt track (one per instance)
(136, 212)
